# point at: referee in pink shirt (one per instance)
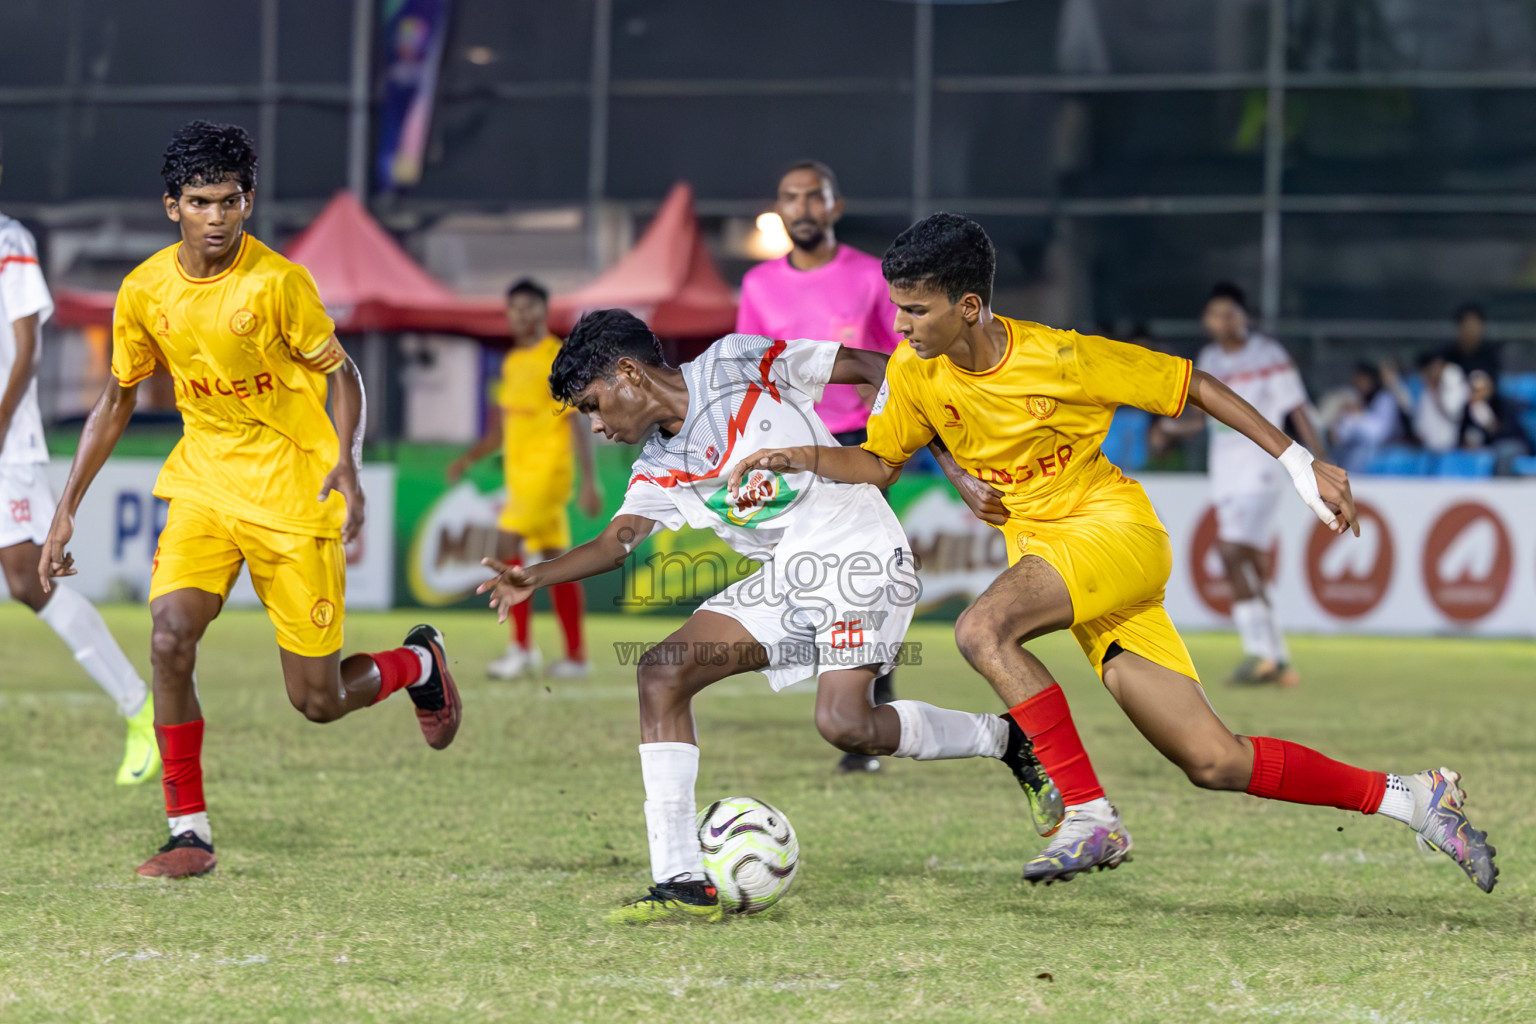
(828, 292)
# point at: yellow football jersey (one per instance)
(249, 350)
(536, 429)
(1032, 425)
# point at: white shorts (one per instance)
(26, 504)
(845, 605)
(1247, 518)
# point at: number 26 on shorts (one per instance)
(847, 633)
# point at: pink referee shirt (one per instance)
(845, 301)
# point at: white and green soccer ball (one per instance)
(750, 852)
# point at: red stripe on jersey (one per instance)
(16, 259)
(1189, 369)
(734, 430)
(1263, 371)
(774, 351)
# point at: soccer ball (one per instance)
(750, 852)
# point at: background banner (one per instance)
(1433, 556)
(119, 525)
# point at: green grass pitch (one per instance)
(365, 877)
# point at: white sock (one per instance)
(80, 626)
(197, 823)
(1096, 808)
(1397, 802)
(426, 664)
(1249, 617)
(1274, 636)
(669, 771)
(930, 733)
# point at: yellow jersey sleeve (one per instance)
(897, 426)
(303, 322)
(133, 346)
(1114, 373)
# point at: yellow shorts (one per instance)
(1116, 573)
(301, 580)
(535, 509)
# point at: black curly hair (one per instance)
(596, 344)
(202, 153)
(944, 251)
(1231, 292)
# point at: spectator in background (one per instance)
(1436, 416)
(1245, 480)
(1488, 423)
(828, 291)
(1471, 351)
(1364, 420)
(542, 442)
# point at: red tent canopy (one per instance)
(368, 283)
(668, 280)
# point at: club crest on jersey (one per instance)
(763, 494)
(1040, 407)
(711, 454)
(243, 322)
(323, 613)
(951, 416)
(163, 326)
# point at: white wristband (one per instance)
(1298, 462)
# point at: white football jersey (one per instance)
(1261, 372)
(744, 393)
(22, 293)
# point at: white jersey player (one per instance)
(1246, 484)
(832, 600)
(26, 503)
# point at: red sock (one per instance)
(569, 599)
(522, 620)
(1047, 721)
(1300, 775)
(181, 752)
(398, 668)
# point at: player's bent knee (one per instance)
(1219, 771)
(849, 732)
(979, 633)
(320, 709)
(172, 641)
(661, 684)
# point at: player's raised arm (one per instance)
(859, 366)
(514, 584)
(848, 465)
(103, 427)
(1324, 487)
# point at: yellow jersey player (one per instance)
(540, 439)
(1025, 408)
(260, 477)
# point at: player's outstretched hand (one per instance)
(1333, 488)
(343, 478)
(55, 560)
(780, 460)
(509, 588)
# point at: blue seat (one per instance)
(1528, 421)
(1465, 464)
(1126, 442)
(1400, 462)
(1525, 465)
(1519, 386)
